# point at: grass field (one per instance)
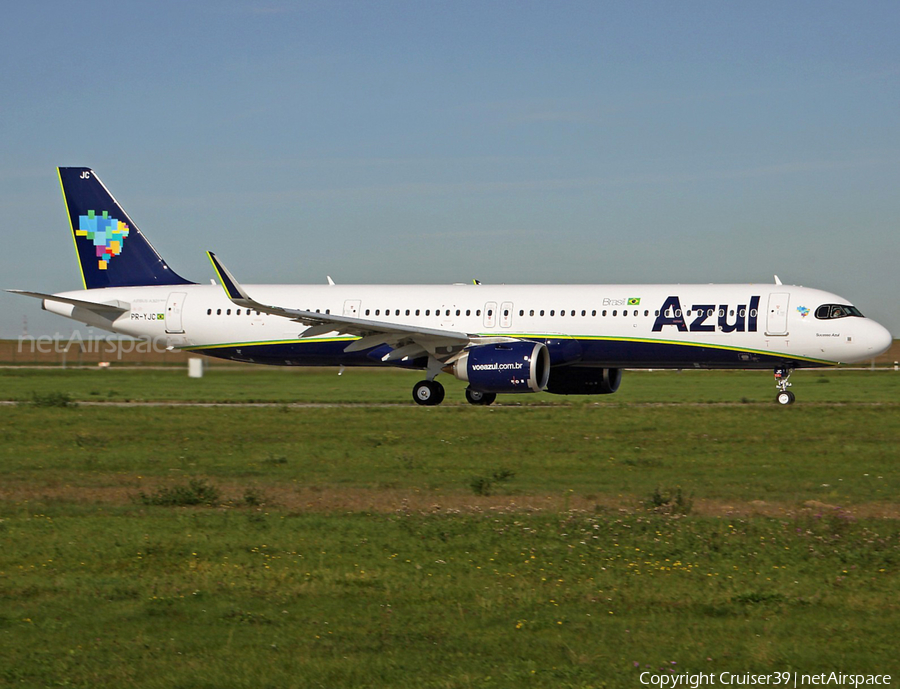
(684, 524)
(392, 386)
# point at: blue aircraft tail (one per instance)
(111, 250)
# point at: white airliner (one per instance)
(562, 339)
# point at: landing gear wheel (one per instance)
(428, 393)
(785, 398)
(782, 382)
(480, 398)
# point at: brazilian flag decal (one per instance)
(634, 301)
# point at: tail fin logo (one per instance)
(107, 234)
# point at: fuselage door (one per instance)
(776, 319)
(506, 314)
(174, 307)
(351, 307)
(490, 314)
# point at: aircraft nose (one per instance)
(881, 339)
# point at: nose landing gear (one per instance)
(782, 376)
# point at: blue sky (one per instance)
(443, 141)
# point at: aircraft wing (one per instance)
(406, 341)
(108, 308)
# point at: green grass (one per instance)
(241, 598)
(390, 386)
(834, 454)
(400, 546)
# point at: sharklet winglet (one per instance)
(232, 288)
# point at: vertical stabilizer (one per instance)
(112, 252)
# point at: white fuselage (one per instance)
(716, 326)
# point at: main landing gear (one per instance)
(782, 376)
(429, 393)
(480, 398)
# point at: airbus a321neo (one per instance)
(562, 339)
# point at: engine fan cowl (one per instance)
(504, 367)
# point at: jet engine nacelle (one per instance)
(581, 380)
(504, 367)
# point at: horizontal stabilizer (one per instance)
(109, 307)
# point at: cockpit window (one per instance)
(829, 311)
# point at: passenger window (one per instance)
(542, 312)
(552, 311)
(531, 312)
(367, 312)
(218, 312)
(209, 312)
(427, 312)
(594, 312)
(228, 312)
(583, 313)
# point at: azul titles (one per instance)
(707, 318)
